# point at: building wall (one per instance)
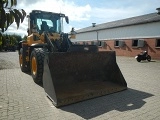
(149, 32)
(128, 49)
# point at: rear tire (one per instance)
(36, 64)
(149, 58)
(22, 61)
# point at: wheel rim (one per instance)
(34, 66)
(20, 60)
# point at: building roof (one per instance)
(148, 18)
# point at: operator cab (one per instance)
(41, 21)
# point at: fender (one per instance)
(39, 45)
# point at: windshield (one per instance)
(49, 22)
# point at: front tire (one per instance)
(138, 59)
(36, 64)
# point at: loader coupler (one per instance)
(76, 76)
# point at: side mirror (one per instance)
(67, 19)
(158, 9)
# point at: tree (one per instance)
(8, 15)
(0, 43)
(7, 39)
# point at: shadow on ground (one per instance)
(144, 61)
(123, 101)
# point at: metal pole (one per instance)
(97, 38)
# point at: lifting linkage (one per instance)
(57, 45)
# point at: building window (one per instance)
(119, 43)
(103, 44)
(99, 43)
(139, 43)
(95, 43)
(134, 43)
(116, 43)
(92, 42)
(158, 43)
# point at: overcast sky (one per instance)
(82, 13)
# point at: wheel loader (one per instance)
(69, 72)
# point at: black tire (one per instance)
(36, 64)
(138, 59)
(149, 58)
(22, 61)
